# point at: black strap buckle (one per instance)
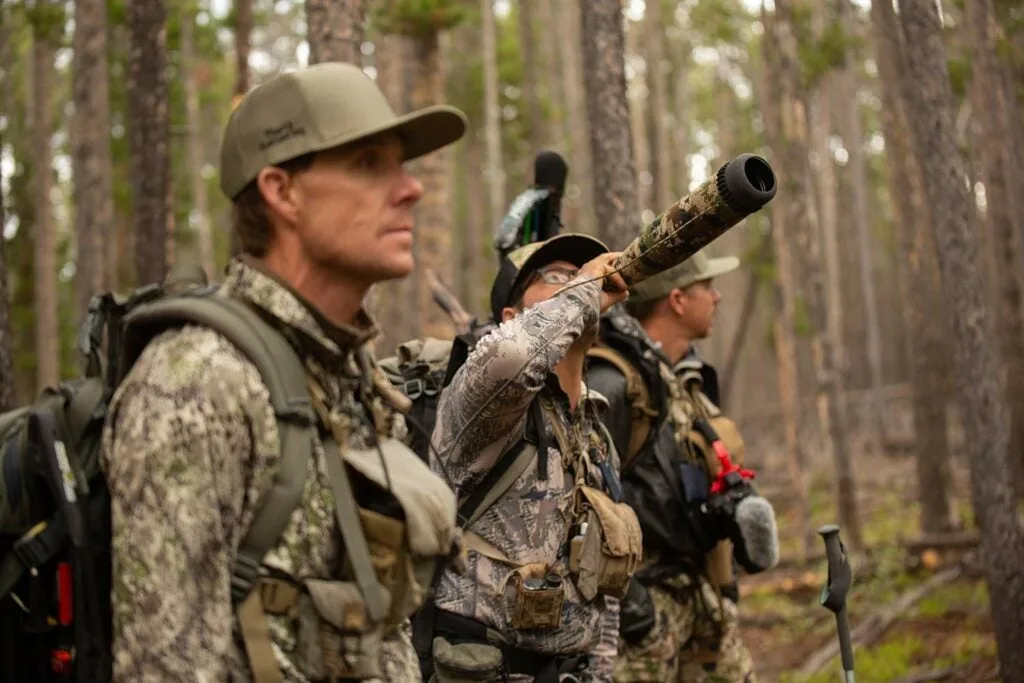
(41, 543)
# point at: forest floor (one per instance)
(945, 635)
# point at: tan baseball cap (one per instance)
(316, 108)
(694, 269)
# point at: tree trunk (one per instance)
(148, 129)
(849, 124)
(800, 216)
(927, 319)
(475, 293)
(334, 30)
(638, 100)
(47, 328)
(200, 210)
(91, 155)
(579, 191)
(550, 77)
(681, 120)
(243, 33)
(657, 78)
(433, 224)
(7, 379)
(531, 77)
(998, 166)
(396, 305)
(784, 326)
(985, 416)
(614, 170)
(494, 168)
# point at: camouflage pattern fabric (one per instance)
(190, 448)
(692, 620)
(482, 412)
(681, 231)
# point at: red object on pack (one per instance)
(60, 662)
(64, 594)
(728, 467)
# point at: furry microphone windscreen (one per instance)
(755, 518)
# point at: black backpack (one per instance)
(55, 574)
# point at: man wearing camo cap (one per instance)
(313, 162)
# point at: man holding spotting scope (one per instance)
(518, 440)
(551, 546)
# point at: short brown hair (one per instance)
(249, 217)
(642, 310)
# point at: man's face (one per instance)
(696, 313)
(543, 284)
(354, 210)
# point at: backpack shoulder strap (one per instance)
(285, 377)
(510, 466)
(641, 408)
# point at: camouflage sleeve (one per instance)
(602, 656)
(489, 395)
(175, 454)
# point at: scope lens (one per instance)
(759, 173)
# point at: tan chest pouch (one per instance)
(539, 594)
(609, 547)
(405, 553)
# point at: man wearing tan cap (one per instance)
(194, 450)
(675, 622)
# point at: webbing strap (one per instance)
(285, 378)
(256, 636)
(498, 480)
(377, 599)
(639, 400)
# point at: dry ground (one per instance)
(947, 633)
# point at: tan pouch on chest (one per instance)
(611, 548)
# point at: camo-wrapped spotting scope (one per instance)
(739, 188)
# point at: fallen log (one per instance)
(952, 540)
(871, 629)
(934, 675)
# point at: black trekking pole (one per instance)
(833, 594)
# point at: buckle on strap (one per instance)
(246, 572)
(41, 543)
(414, 388)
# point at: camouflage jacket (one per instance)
(190, 448)
(480, 415)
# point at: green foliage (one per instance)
(717, 21)
(887, 662)
(418, 18)
(47, 19)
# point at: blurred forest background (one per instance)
(870, 346)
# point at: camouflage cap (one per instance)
(575, 248)
(694, 269)
(316, 108)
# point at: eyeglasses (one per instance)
(551, 274)
(554, 275)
